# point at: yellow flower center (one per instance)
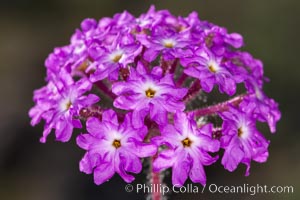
(150, 93)
(186, 142)
(240, 132)
(212, 69)
(116, 143)
(68, 105)
(84, 65)
(169, 45)
(117, 57)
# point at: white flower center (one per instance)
(169, 43)
(65, 104)
(150, 89)
(213, 66)
(116, 56)
(243, 131)
(114, 140)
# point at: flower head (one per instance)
(154, 73)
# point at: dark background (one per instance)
(29, 30)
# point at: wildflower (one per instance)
(152, 94)
(59, 104)
(169, 43)
(210, 70)
(113, 147)
(110, 58)
(241, 140)
(188, 148)
(155, 71)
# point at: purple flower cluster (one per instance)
(149, 71)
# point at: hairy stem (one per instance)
(155, 181)
(173, 66)
(181, 79)
(92, 111)
(105, 90)
(193, 91)
(220, 107)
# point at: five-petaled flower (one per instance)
(59, 103)
(210, 70)
(241, 140)
(145, 93)
(188, 148)
(113, 147)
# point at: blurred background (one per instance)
(30, 29)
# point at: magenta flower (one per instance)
(188, 148)
(113, 148)
(59, 104)
(60, 58)
(210, 70)
(148, 20)
(110, 58)
(217, 39)
(253, 65)
(264, 109)
(72, 56)
(241, 140)
(152, 94)
(169, 43)
(42, 97)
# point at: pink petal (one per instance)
(233, 155)
(164, 160)
(141, 149)
(103, 172)
(110, 116)
(180, 170)
(85, 165)
(197, 173)
(119, 168)
(131, 162)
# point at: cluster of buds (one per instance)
(149, 72)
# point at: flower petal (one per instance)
(197, 173)
(103, 172)
(233, 155)
(180, 169)
(164, 160)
